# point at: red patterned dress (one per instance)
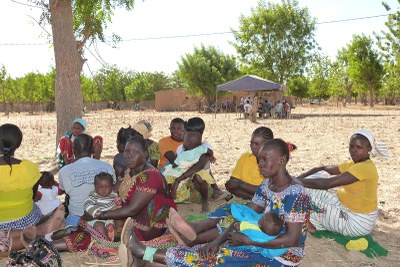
(149, 223)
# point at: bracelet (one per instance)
(104, 215)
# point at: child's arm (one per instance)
(60, 191)
(90, 206)
(170, 155)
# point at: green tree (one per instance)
(3, 76)
(365, 67)
(73, 24)
(206, 68)
(277, 40)
(389, 44)
(340, 84)
(319, 75)
(298, 87)
(390, 89)
(111, 83)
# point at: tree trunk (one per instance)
(371, 96)
(69, 63)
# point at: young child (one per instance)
(46, 197)
(103, 198)
(188, 157)
(119, 162)
(64, 151)
(258, 227)
(202, 179)
(167, 146)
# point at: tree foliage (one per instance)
(319, 78)
(365, 66)
(298, 87)
(206, 68)
(277, 40)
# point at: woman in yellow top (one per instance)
(17, 209)
(351, 210)
(246, 178)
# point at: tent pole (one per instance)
(216, 103)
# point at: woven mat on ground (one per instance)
(373, 250)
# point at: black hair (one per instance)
(280, 145)
(177, 121)
(276, 219)
(103, 176)
(83, 144)
(195, 124)
(264, 132)
(46, 179)
(138, 140)
(125, 133)
(10, 140)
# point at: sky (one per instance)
(26, 47)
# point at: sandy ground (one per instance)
(321, 134)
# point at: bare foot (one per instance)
(204, 207)
(180, 225)
(136, 247)
(28, 234)
(56, 221)
(311, 228)
(175, 233)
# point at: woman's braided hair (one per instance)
(10, 140)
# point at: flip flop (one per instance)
(125, 256)
(126, 231)
(180, 225)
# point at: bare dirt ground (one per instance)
(321, 134)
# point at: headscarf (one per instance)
(81, 122)
(378, 148)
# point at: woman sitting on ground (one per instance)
(246, 177)
(64, 151)
(353, 209)
(144, 193)
(18, 182)
(277, 194)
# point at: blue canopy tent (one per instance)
(250, 83)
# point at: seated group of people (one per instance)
(134, 201)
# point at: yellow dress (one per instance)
(16, 189)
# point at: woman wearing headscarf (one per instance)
(352, 210)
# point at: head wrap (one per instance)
(144, 128)
(81, 122)
(378, 148)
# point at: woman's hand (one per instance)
(238, 239)
(87, 217)
(209, 249)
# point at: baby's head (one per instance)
(191, 140)
(103, 184)
(46, 180)
(270, 223)
(195, 124)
